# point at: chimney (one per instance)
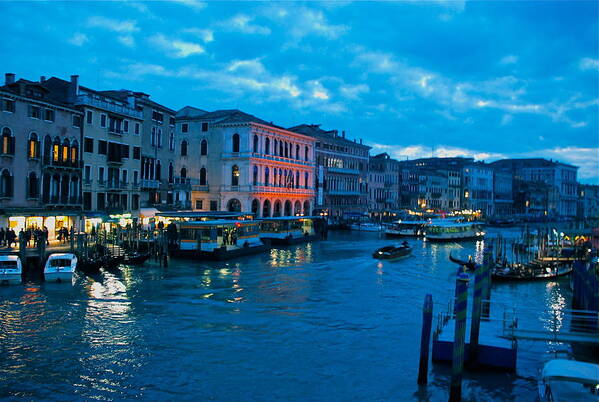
(360, 141)
(73, 88)
(9, 78)
(43, 79)
(343, 133)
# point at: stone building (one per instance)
(239, 162)
(40, 157)
(341, 172)
(111, 146)
(588, 204)
(383, 184)
(477, 188)
(503, 199)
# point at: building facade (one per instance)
(241, 163)
(477, 188)
(341, 172)
(588, 205)
(40, 157)
(384, 184)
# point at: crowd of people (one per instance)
(8, 237)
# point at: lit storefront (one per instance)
(53, 221)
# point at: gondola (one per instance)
(530, 273)
(469, 265)
(136, 258)
(392, 252)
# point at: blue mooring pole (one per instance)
(479, 281)
(425, 339)
(459, 339)
(486, 287)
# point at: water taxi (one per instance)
(569, 380)
(393, 252)
(453, 231)
(218, 239)
(406, 228)
(60, 267)
(10, 269)
(288, 229)
(366, 227)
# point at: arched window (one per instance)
(8, 142)
(255, 175)
(307, 208)
(32, 186)
(235, 142)
(286, 150)
(234, 205)
(297, 179)
(33, 146)
(204, 147)
(153, 138)
(171, 173)
(56, 150)
(235, 175)
(255, 207)
(306, 154)
(6, 184)
(159, 138)
(74, 152)
(158, 174)
(256, 142)
(171, 141)
(266, 174)
(267, 146)
(306, 177)
(184, 148)
(202, 176)
(66, 147)
(275, 150)
(183, 173)
(297, 152)
(281, 151)
(266, 209)
(280, 177)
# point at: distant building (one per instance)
(341, 171)
(477, 188)
(40, 157)
(557, 180)
(588, 205)
(383, 184)
(503, 199)
(239, 162)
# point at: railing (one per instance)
(116, 185)
(268, 189)
(87, 182)
(184, 182)
(88, 99)
(343, 170)
(200, 187)
(150, 183)
(278, 158)
(48, 162)
(343, 192)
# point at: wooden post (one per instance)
(459, 339)
(72, 239)
(476, 313)
(41, 249)
(425, 337)
(486, 286)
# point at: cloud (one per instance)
(353, 91)
(78, 39)
(313, 22)
(509, 59)
(126, 26)
(587, 63)
(194, 4)
(127, 40)
(243, 23)
(206, 35)
(174, 47)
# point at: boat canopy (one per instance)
(571, 370)
(223, 222)
(9, 257)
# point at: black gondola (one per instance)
(392, 252)
(136, 258)
(469, 265)
(530, 273)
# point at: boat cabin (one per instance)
(453, 230)
(288, 229)
(10, 269)
(569, 380)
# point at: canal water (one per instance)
(319, 321)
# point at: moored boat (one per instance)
(11, 270)
(569, 380)
(531, 272)
(392, 252)
(406, 229)
(60, 267)
(453, 231)
(135, 258)
(366, 227)
(287, 229)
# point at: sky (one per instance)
(411, 78)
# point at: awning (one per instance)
(148, 212)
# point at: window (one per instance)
(136, 153)
(32, 186)
(306, 177)
(101, 174)
(183, 173)
(184, 127)
(102, 147)
(171, 141)
(124, 176)
(7, 105)
(136, 131)
(267, 146)
(235, 142)
(124, 151)
(204, 127)
(103, 120)
(76, 121)
(135, 177)
(266, 174)
(159, 138)
(158, 174)
(65, 151)
(89, 117)
(199, 204)
(74, 153)
(49, 115)
(157, 116)
(171, 121)
(297, 152)
(255, 175)
(235, 175)
(125, 126)
(87, 173)
(202, 176)
(256, 142)
(306, 152)
(153, 137)
(34, 112)
(171, 173)
(183, 148)
(8, 142)
(33, 146)
(6, 184)
(204, 147)
(213, 205)
(135, 201)
(88, 144)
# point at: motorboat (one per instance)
(366, 227)
(11, 270)
(406, 229)
(60, 267)
(569, 380)
(392, 252)
(288, 229)
(453, 231)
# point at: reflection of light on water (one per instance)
(479, 251)
(556, 306)
(285, 257)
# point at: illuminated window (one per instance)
(33, 146)
(235, 175)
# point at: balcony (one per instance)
(114, 158)
(184, 183)
(91, 100)
(200, 188)
(343, 192)
(115, 131)
(87, 182)
(150, 184)
(268, 189)
(277, 158)
(47, 162)
(343, 170)
(116, 185)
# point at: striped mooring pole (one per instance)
(486, 286)
(459, 339)
(425, 339)
(479, 282)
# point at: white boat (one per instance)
(60, 267)
(406, 228)
(569, 380)
(366, 227)
(453, 231)
(287, 230)
(10, 269)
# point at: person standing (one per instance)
(46, 236)
(2, 236)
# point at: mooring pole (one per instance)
(486, 286)
(459, 338)
(425, 338)
(476, 313)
